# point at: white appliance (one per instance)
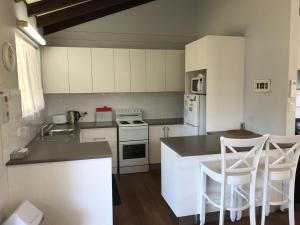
(133, 141)
(198, 84)
(194, 112)
(59, 119)
(25, 214)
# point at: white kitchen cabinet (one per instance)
(196, 55)
(221, 59)
(67, 192)
(80, 70)
(55, 70)
(155, 133)
(138, 70)
(103, 70)
(100, 135)
(156, 70)
(174, 70)
(181, 130)
(122, 70)
(159, 131)
(107, 70)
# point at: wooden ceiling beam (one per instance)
(91, 7)
(94, 14)
(45, 6)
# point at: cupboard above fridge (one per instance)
(221, 60)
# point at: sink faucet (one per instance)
(45, 128)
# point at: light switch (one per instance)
(291, 106)
(293, 89)
(4, 107)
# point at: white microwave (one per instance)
(198, 85)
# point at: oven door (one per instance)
(133, 153)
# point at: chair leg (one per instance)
(202, 198)
(291, 200)
(222, 204)
(265, 199)
(239, 203)
(252, 204)
(232, 204)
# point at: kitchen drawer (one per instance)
(100, 135)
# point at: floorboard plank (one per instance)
(142, 204)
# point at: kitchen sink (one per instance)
(56, 138)
(56, 132)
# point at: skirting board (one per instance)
(156, 166)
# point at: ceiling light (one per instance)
(30, 31)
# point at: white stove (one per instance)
(133, 141)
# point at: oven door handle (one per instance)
(134, 128)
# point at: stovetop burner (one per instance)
(137, 122)
(124, 122)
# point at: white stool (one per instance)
(282, 168)
(235, 172)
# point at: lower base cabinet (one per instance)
(162, 131)
(68, 193)
(100, 135)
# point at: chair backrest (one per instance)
(286, 149)
(242, 163)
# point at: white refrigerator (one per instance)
(195, 111)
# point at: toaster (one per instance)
(59, 119)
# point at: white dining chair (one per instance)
(280, 166)
(236, 170)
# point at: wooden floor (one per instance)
(142, 204)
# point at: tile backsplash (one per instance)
(18, 132)
(154, 105)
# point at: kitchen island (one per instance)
(71, 182)
(180, 169)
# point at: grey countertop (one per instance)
(65, 147)
(91, 125)
(171, 121)
(202, 145)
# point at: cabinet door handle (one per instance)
(96, 139)
(168, 128)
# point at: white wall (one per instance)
(266, 26)
(154, 105)
(158, 24)
(17, 132)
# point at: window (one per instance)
(29, 74)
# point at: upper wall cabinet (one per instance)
(122, 70)
(55, 70)
(103, 70)
(138, 70)
(156, 70)
(107, 70)
(196, 55)
(80, 70)
(174, 70)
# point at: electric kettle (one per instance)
(73, 116)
